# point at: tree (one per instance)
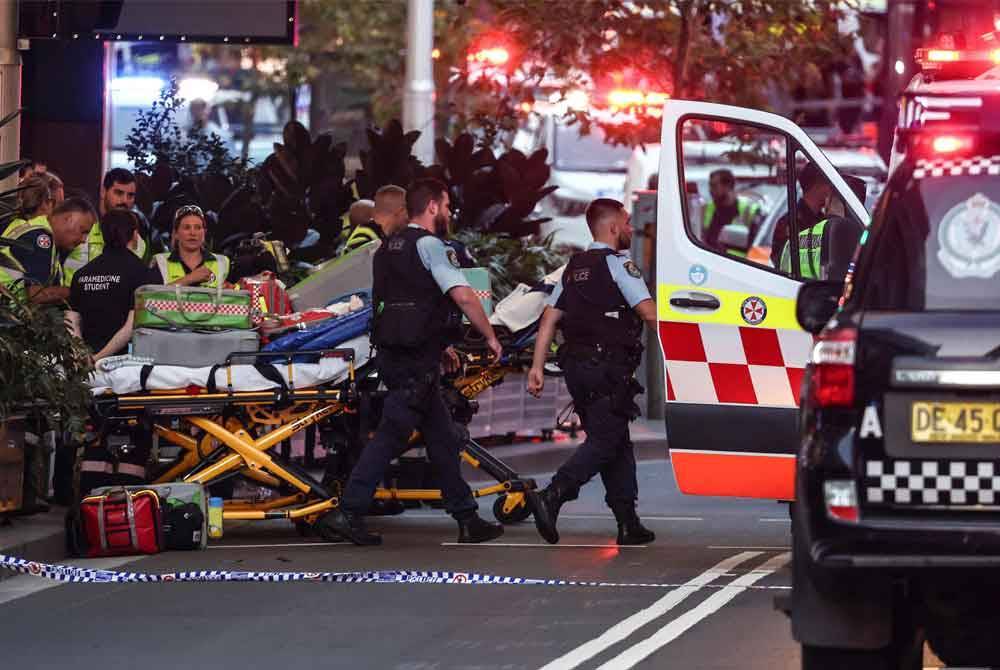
(745, 52)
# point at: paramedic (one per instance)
(827, 248)
(387, 218)
(727, 208)
(600, 305)
(102, 294)
(816, 190)
(189, 262)
(38, 264)
(117, 192)
(418, 292)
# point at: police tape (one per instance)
(78, 575)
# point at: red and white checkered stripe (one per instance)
(482, 295)
(197, 308)
(727, 364)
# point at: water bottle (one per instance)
(215, 518)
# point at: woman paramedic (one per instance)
(189, 262)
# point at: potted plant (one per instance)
(43, 374)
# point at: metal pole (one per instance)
(899, 49)
(418, 95)
(10, 88)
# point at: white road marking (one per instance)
(626, 627)
(644, 518)
(729, 547)
(545, 545)
(607, 516)
(26, 585)
(778, 520)
(670, 632)
(283, 544)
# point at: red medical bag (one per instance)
(120, 523)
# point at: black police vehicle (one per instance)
(896, 524)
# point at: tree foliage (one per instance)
(41, 363)
(745, 52)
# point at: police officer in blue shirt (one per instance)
(419, 296)
(600, 306)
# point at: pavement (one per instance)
(701, 596)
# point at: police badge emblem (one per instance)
(44, 241)
(969, 238)
(633, 270)
(453, 257)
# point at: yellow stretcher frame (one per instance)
(304, 408)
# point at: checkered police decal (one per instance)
(944, 167)
(904, 482)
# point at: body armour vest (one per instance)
(595, 311)
(411, 312)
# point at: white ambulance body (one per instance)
(734, 354)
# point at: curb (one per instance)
(44, 547)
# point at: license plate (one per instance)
(968, 422)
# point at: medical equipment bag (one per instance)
(191, 348)
(187, 307)
(122, 523)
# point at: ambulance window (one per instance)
(734, 185)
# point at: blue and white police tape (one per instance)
(77, 575)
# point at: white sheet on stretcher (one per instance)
(523, 306)
(126, 379)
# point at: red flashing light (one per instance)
(949, 144)
(630, 98)
(943, 56)
(494, 56)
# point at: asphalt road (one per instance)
(709, 583)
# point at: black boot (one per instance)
(341, 524)
(630, 529)
(472, 529)
(545, 505)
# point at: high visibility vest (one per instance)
(14, 231)
(810, 252)
(746, 212)
(174, 270)
(89, 249)
(11, 277)
(360, 236)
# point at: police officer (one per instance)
(34, 267)
(388, 216)
(190, 263)
(118, 191)
(726, 209)
(419, 296)
(600, 305)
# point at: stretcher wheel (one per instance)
(517, 515)
(304, 529)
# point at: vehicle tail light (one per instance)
(833, 368)
(841, 498)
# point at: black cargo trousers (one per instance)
(603, 390)
(413, 401)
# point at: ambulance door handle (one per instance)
(707, 302)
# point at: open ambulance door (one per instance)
(734, 354)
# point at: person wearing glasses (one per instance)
(190, 263)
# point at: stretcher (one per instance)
(227, 420)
